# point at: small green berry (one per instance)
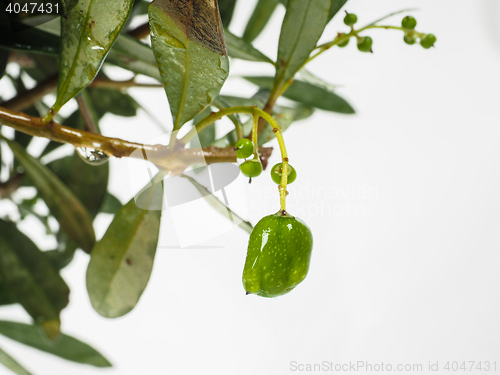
(409, 23)
(345, 42)
(251, 168)
(244, 148)
(365, 44)
(428, 41)
(409, 39)
(276, 173)
(350, 19)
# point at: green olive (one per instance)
(278, 257)
(276, 173)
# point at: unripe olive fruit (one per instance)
(251, 168)
(365, 44)
(350, 19)
(244, 148)
(278, 257)
(409, 23)
(345, 42)
(428, 41)
(410, 39)
(277, 172)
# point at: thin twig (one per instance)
(88, 119)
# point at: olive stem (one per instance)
(255, 134)
(256, 112)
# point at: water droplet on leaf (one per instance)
(92, 156)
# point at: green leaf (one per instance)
(122, 261)
(112, 101)
(207, 135)
(12, 364)
(226, 10)
(111, 204)
(30, 277)
(241, 49)
(6, 297)
(88, 182)
(336, 5)
(66, 347)
(44, 67)
(88, 31)
(131, 54)
(284, 118)
(61, 201)
(259, 19)
(308, 94)
(218, 205)
(283, 115)
(309, 77)
(191, 54)
(302, 27)
(31, 40)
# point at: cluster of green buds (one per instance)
(244, 149)
(426, 40)
(252, 167)
(365, 43)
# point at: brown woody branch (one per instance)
(175, 161)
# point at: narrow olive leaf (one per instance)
(32, 40)
(61, 201)
(128, 53)
(111, 204)
(309, 94)
(12, 364)
(259, 19)
(241, 49)
(121, 262)
(226, 10)
(112, 101)
(6, 297)
(336, 5)
(284, 118)
(66, 347)
(207, 135)
(283, 115)
(88, 31)
(30, 277)
(88, 182)
(309, 77)
(188, 42)
(302, 27)
(218, 205)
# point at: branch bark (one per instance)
(175, 161)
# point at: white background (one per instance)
(405, 266)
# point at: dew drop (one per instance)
(92, 156)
